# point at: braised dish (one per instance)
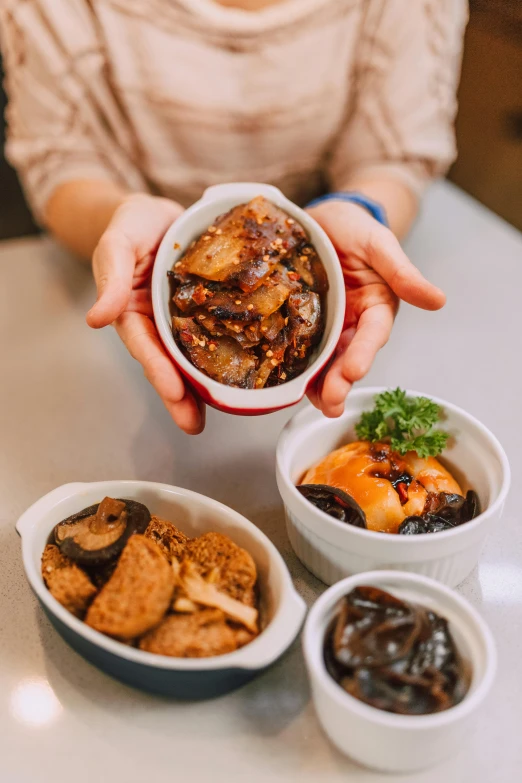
(390, 480)
(394, 655)
(247, 298)
(138, 579)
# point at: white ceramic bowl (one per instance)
(282, 610)
(215, 201)
(332, 550)
(383, 740)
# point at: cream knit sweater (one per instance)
(174, 95)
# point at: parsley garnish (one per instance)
(404, 422)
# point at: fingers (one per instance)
(355, 355)
(389, 260)
(142, 341)
(113, 267)
(373, 332)
(331, 389)
(125, 253)
(356, 234)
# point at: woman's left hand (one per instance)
(377, 274)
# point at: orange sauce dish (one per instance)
(387, 486)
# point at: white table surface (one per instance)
(74, 406)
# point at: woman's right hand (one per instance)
(122, 265)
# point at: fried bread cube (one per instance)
(197, 635)
(66, 581)
(137, 595)
(229, 567)
(170, 540)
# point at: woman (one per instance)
(121, 112)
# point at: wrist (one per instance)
(355, 198)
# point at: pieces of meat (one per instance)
(221, 358)
(272, 326)
(274, 357)
(137, 595)
(243, 245)
(255, 306)
(309, 268)
(71, 586)
(191, 294)
(304, 311)
(230, 567)
(197, 635)
(170, 540)
(260, 303)
(247, 335)
(305, 326)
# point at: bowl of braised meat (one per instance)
(400, 666)
(400, 480)
(248, 298)
(162, 588)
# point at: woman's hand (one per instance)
(122, 265)
(378, 274)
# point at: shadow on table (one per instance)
(265, 704)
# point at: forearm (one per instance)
(397, 199)
(79, 211)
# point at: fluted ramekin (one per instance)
(332, 550)
(383, 740)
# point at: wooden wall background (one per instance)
(489, 124)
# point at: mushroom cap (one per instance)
(97, 534)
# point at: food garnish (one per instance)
(247, 298)
(394, 655)
(404, 422)
(383, 484)
(142, 581)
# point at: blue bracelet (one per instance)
(375, 209)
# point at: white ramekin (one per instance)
(383, 740)
(192, 223)
(282, 609)
(332, 550)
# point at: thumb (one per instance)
(113, 267)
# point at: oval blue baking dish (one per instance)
(281, 608)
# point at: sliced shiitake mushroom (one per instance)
(334, 502)
(97, 534)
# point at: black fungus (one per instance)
(394, 655)
(335, 503)
(443, 511)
